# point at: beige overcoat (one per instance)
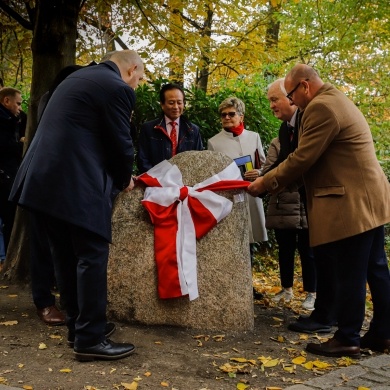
(347, 190)
(243, 145)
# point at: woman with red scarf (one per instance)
(245, 148)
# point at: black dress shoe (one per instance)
(106, 350)
(307, 325)
(110, 329)
(368, 341)
(334, 348)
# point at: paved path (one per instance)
(372, 373)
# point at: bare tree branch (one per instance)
(108, 30)
(16, 16)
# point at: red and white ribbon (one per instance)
(180, 215)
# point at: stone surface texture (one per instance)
(223, 261)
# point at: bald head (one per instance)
(302, 84)
(130, 65)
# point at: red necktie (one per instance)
(173, 137)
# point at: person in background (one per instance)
(286, 210)
(163, 138)
(11, 151)
(236, 142)
(348, 203)
(83, 142)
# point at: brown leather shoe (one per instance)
(334, 348)
(51, 316)
(374, 343)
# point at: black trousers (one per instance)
(80, 260)
(289, 240)
(344, 268)
(41, 264)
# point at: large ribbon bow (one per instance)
(180, 215)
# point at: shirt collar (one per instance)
(293, 119)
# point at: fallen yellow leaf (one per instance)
(345, 361)
(20, 365)
(65, 370)
(42, 346)
(130, 386)
(7, 323)
(158, 342)
(299, 360)
(273, 388)
(55, 336)
(277, 319)
(321, 365)
(147, 374)
(242, 386)
(12, 295)
(271, 363)
(164, 384)
(27, 387)
(3, 380)
(239, 360)
(363, 388)
(228, 368)
(289, 368)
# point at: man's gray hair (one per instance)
(279, 82)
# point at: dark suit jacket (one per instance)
(81, 150)
(155, 145)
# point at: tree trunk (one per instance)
(203, 75)
(53, 47)
(273, 27)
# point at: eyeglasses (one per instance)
(231, 114)
(289, 95)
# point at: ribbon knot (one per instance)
(180, 215)
(183, 193)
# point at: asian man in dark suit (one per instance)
(164, 137)
(81, 154)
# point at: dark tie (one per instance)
(290, 131)
(173, 137)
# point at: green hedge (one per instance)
(202, 108)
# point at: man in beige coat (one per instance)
(348, 201)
